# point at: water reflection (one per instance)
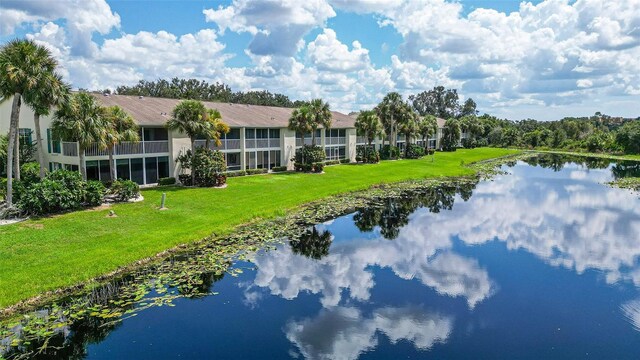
(312, 243)
(345, 332)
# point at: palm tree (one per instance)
(22, 62)
(389, 110)
(217, 127)
(300, 121)
(83, 120)
(369, 125)
(51, 91)
(320, 116)
(121, 128)
(190, 118)
(427, 127)
(407, 125)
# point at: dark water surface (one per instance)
(543, 262)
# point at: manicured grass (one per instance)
(50, 253)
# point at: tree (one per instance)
(407, 125)
(319, 116)
(629, 137)
(368, 124)
(83, 120)
(389, 110)
(217, 127)
(439, 102)
(3, 152)
(189, 117)
(22, 63)
(450, 135)
(312, 244)
(300, 122)
(51, 91)
(121, 128)
(468, 108)
(427, 127)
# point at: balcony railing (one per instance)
(69, 148)
(123, 148)
(307, 141)
(262, 143)
(361, 140)
(335, 141)
(225, 144)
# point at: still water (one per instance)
(542, 262)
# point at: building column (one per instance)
(243, 156)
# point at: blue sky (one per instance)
(542, 59)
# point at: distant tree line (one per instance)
(194, 89)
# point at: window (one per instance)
(70, 167)
(274, 158)
(123, 169)
(105, 171)
(25, 136)
(250, 133)
(163, 167)
(52, 145)
(233, 161)
(155, 134)
(137, 172)
(93, 172)
(233, 134)
(250, 160)
(151, 169)
(274, 133)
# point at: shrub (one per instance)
(332, 162)
(236, 173)
(414, 151)
(94, 194)
(628, 137)
(3, 188)
(256, 171)
(346, 161)
(279, 168)
(367, 154)
(450, 135)
(310, 168)
(389, 152)
(185, 179)
(167, 181)
(124, 190)
(469, 143)
(208, 167)
(309, 154)
(60, 190)
(30, 173)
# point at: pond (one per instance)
(540, 262)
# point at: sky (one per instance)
(541, 59)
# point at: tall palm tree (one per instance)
(21, 63)
(368, 124)
(300, 120)
(190, 118)
(121, 128)
(389, 110)
(320, 116)
(427, 127)
(217, 127)
(407, 125)
(83, 120)
(51, 91)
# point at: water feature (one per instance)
(542, 262)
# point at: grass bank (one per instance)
(596, 155)
(49, 253)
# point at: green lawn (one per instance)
(50, 253)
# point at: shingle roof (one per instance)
(153, 111)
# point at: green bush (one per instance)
(367, 154)
(167, 181)
(30, 173)
(3, 188)
(236, 173)
(124, 190)
(414, 151)
(185, 179)
(332, 162)
(279, 168)
(94, 195)
(256, 171)
(208, 167)
(308, 154)
(310, 168)
(389, 152)
(345, 161)
(469, 143)
(628, 137)
(60, 190)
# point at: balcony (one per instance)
(69, 148)
(307, 141)
(125, 148)
(262, 143)
(225, 144)
(361, 140)
(335, 141)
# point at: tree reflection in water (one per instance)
(393, 213)
(312, 243)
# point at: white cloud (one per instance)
(326, 52)
(345, 333)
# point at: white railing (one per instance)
(123, 148)
(307, 141)
(262, 143)
(361, 140)
(153, 147)
(335, 141)
(69, 148)
(228, 144)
